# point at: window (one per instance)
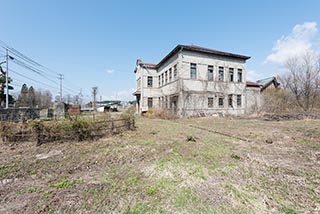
(239, 100)
(221, 102)
(162, 79)
(231, 74)
(230, 101)
(221, 73)
(170, 75)
(210, 72)
(150, 102)
(193, 71)
(174, 72)
(210, 102)
(239, 75)
(166, 75)
(149, 81)
(159, 80)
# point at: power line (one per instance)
(32, 79)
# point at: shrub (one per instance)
(160, 114)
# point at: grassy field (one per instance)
(181, 166)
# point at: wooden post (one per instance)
(112, 127)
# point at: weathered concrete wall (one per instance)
(254, 99)
(19, 114)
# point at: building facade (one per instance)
(192, 80)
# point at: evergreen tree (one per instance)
(23, 97)
(31, 98)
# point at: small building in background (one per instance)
(268, 84)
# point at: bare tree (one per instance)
(303, 80)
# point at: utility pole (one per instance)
(94, 93)
(61, 78)
(7, 84)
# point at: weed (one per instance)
(288, 210)
(47, 192)
(235, 156)
(28, 189)
(146, 142)
(67, 184)
(191, 139)
(132, 181)
(151, 190)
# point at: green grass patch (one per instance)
(67, 184)
(28, 189)
(187, 201)
(238, 194)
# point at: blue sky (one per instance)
(96, 43)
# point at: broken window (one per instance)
(230, 104)
(239, 99)
(170, 75)
(210, 102)
(220, 102)
(150, 81)
(210, 73)
(231, 74)
(174, 72)
(150, 104)
(159, 80)
(239, 75)
(193, 71)
(221, 73)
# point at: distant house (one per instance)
(268, 84)
(192, 80)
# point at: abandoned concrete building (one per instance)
(192, 80)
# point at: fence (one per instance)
(77, 130)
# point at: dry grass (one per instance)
(156, 169)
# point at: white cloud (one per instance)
(299, 41)
(110, 71)
(253, 75)
(123, 95)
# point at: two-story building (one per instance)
(192, 80)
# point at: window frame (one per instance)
(230, 100)
(149, 81)
(221, 100)
(210, 102)
(175, 72)
(239, 100)
(193, 71)
(150, 100)
(221, 71)
(231, 74)
(241, 77)
(210, 71)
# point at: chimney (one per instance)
(139, 61)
